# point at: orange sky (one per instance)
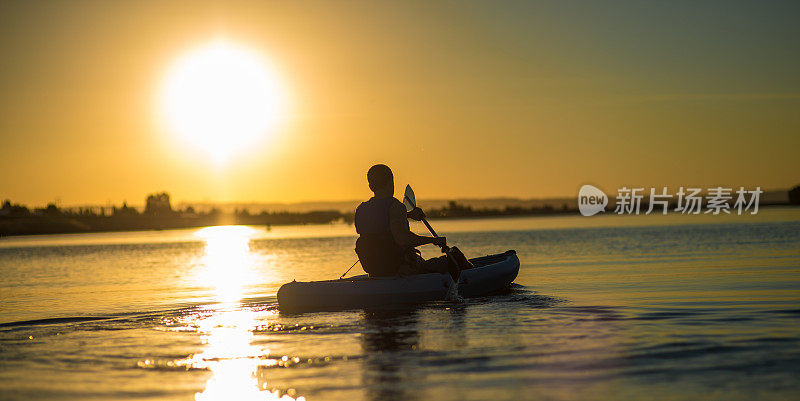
(461, 99)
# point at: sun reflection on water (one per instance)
(228, 266)
(227, 263)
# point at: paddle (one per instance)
(411, 203)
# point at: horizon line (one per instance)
(303, 202)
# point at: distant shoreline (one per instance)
(158, 214)
(72, 224)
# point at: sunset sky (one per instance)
(461, 99)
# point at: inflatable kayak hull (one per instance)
(491, 274)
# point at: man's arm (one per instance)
(401, 232)
(416, 214)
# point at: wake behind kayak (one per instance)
(491, 274)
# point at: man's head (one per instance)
(381, 180)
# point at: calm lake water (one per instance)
(607, 308)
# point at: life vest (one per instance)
(379, 253)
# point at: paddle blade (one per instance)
(409, 200)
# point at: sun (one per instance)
(222, 97)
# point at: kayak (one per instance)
(491, 274)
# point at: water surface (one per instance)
(609, 307)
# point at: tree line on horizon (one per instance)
(158, 213)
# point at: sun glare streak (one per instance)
(233, 359)
(222, 97)
(228, 265)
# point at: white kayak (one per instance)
(491, 274)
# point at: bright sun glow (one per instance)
(222, 97)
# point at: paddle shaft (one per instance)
(445, 248)
(424, 221)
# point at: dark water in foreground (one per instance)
(604, 308)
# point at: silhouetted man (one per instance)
(386, 246)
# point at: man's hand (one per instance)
(441, 242)
(416, 214)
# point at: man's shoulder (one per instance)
(396, 204)
(397, 210)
